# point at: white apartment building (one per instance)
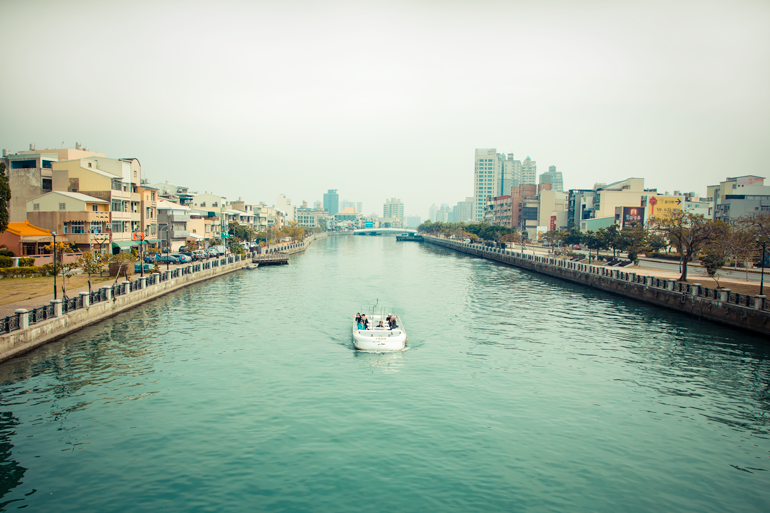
(528, 172)
(283, 204)
(393, 208)
(495, 174)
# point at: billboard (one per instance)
(137, 235)
(632, 215)
(662, 206)
(368, 224)
(553, 223)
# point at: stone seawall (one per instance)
(751, 313)
(27, 330)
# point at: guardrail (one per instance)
(25, 318)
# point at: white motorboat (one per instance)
(378, 339)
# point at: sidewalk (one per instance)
(37, 302)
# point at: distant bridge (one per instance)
(383, 231)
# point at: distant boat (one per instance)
(410, 237)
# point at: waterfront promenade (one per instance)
(744, 311)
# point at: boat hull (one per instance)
(379, 340)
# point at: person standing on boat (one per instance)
(364, 322)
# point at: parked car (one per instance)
(199, 254)
(170, 259)
(183, 259)
(576, 246)
(151, 259)
(147, 268)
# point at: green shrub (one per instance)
(47, 269)
(26, 262)
(666, 256)
(18, 272)
(6, 261)
(6, 252)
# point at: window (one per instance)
(47, 184)
(62, 206)
(74, 190)
(47, 164)
(134, 174)
(153, 196)
(74, 227)
(36, 206)
(23, 164)
(203, 204)
(214, 204)
(117, 226)
(94, 208)
(116, 207)
(89, 165)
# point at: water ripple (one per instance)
(519, 391)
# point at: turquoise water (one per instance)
(518, 393)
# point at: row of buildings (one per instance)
(106, 205)
(508, 196)
(510, 192)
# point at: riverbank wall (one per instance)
(751, 313)
(29, 329)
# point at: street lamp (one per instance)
(54, 264)
(762, 279)
(168, 242)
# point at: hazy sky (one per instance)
(390, 99)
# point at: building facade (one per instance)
(393, 208)
(554, 178)
(332, 202)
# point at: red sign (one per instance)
(138, 235)
(553, 223)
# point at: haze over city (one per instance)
(390, 99)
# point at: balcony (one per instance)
(180, 234)
(178, 218)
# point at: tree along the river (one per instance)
(687, 232)
(5, 197)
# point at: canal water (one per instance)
(518, 393)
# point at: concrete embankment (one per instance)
(751, 313)
(28, 329)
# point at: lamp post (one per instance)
(54, 264)
(762, 278)
(168, 241)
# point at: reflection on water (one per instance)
(518, 392)
(383, 362)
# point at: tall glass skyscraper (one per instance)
(332, 202)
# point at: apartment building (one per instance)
(30, 174)
(495, 174)
(283, 204)
(311, 217)
(78, 218)
(174, 193)
(498, 211)
(738, 197)
(172, 224)
(554, 178)
(393, 208)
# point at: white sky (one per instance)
(390, 99)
